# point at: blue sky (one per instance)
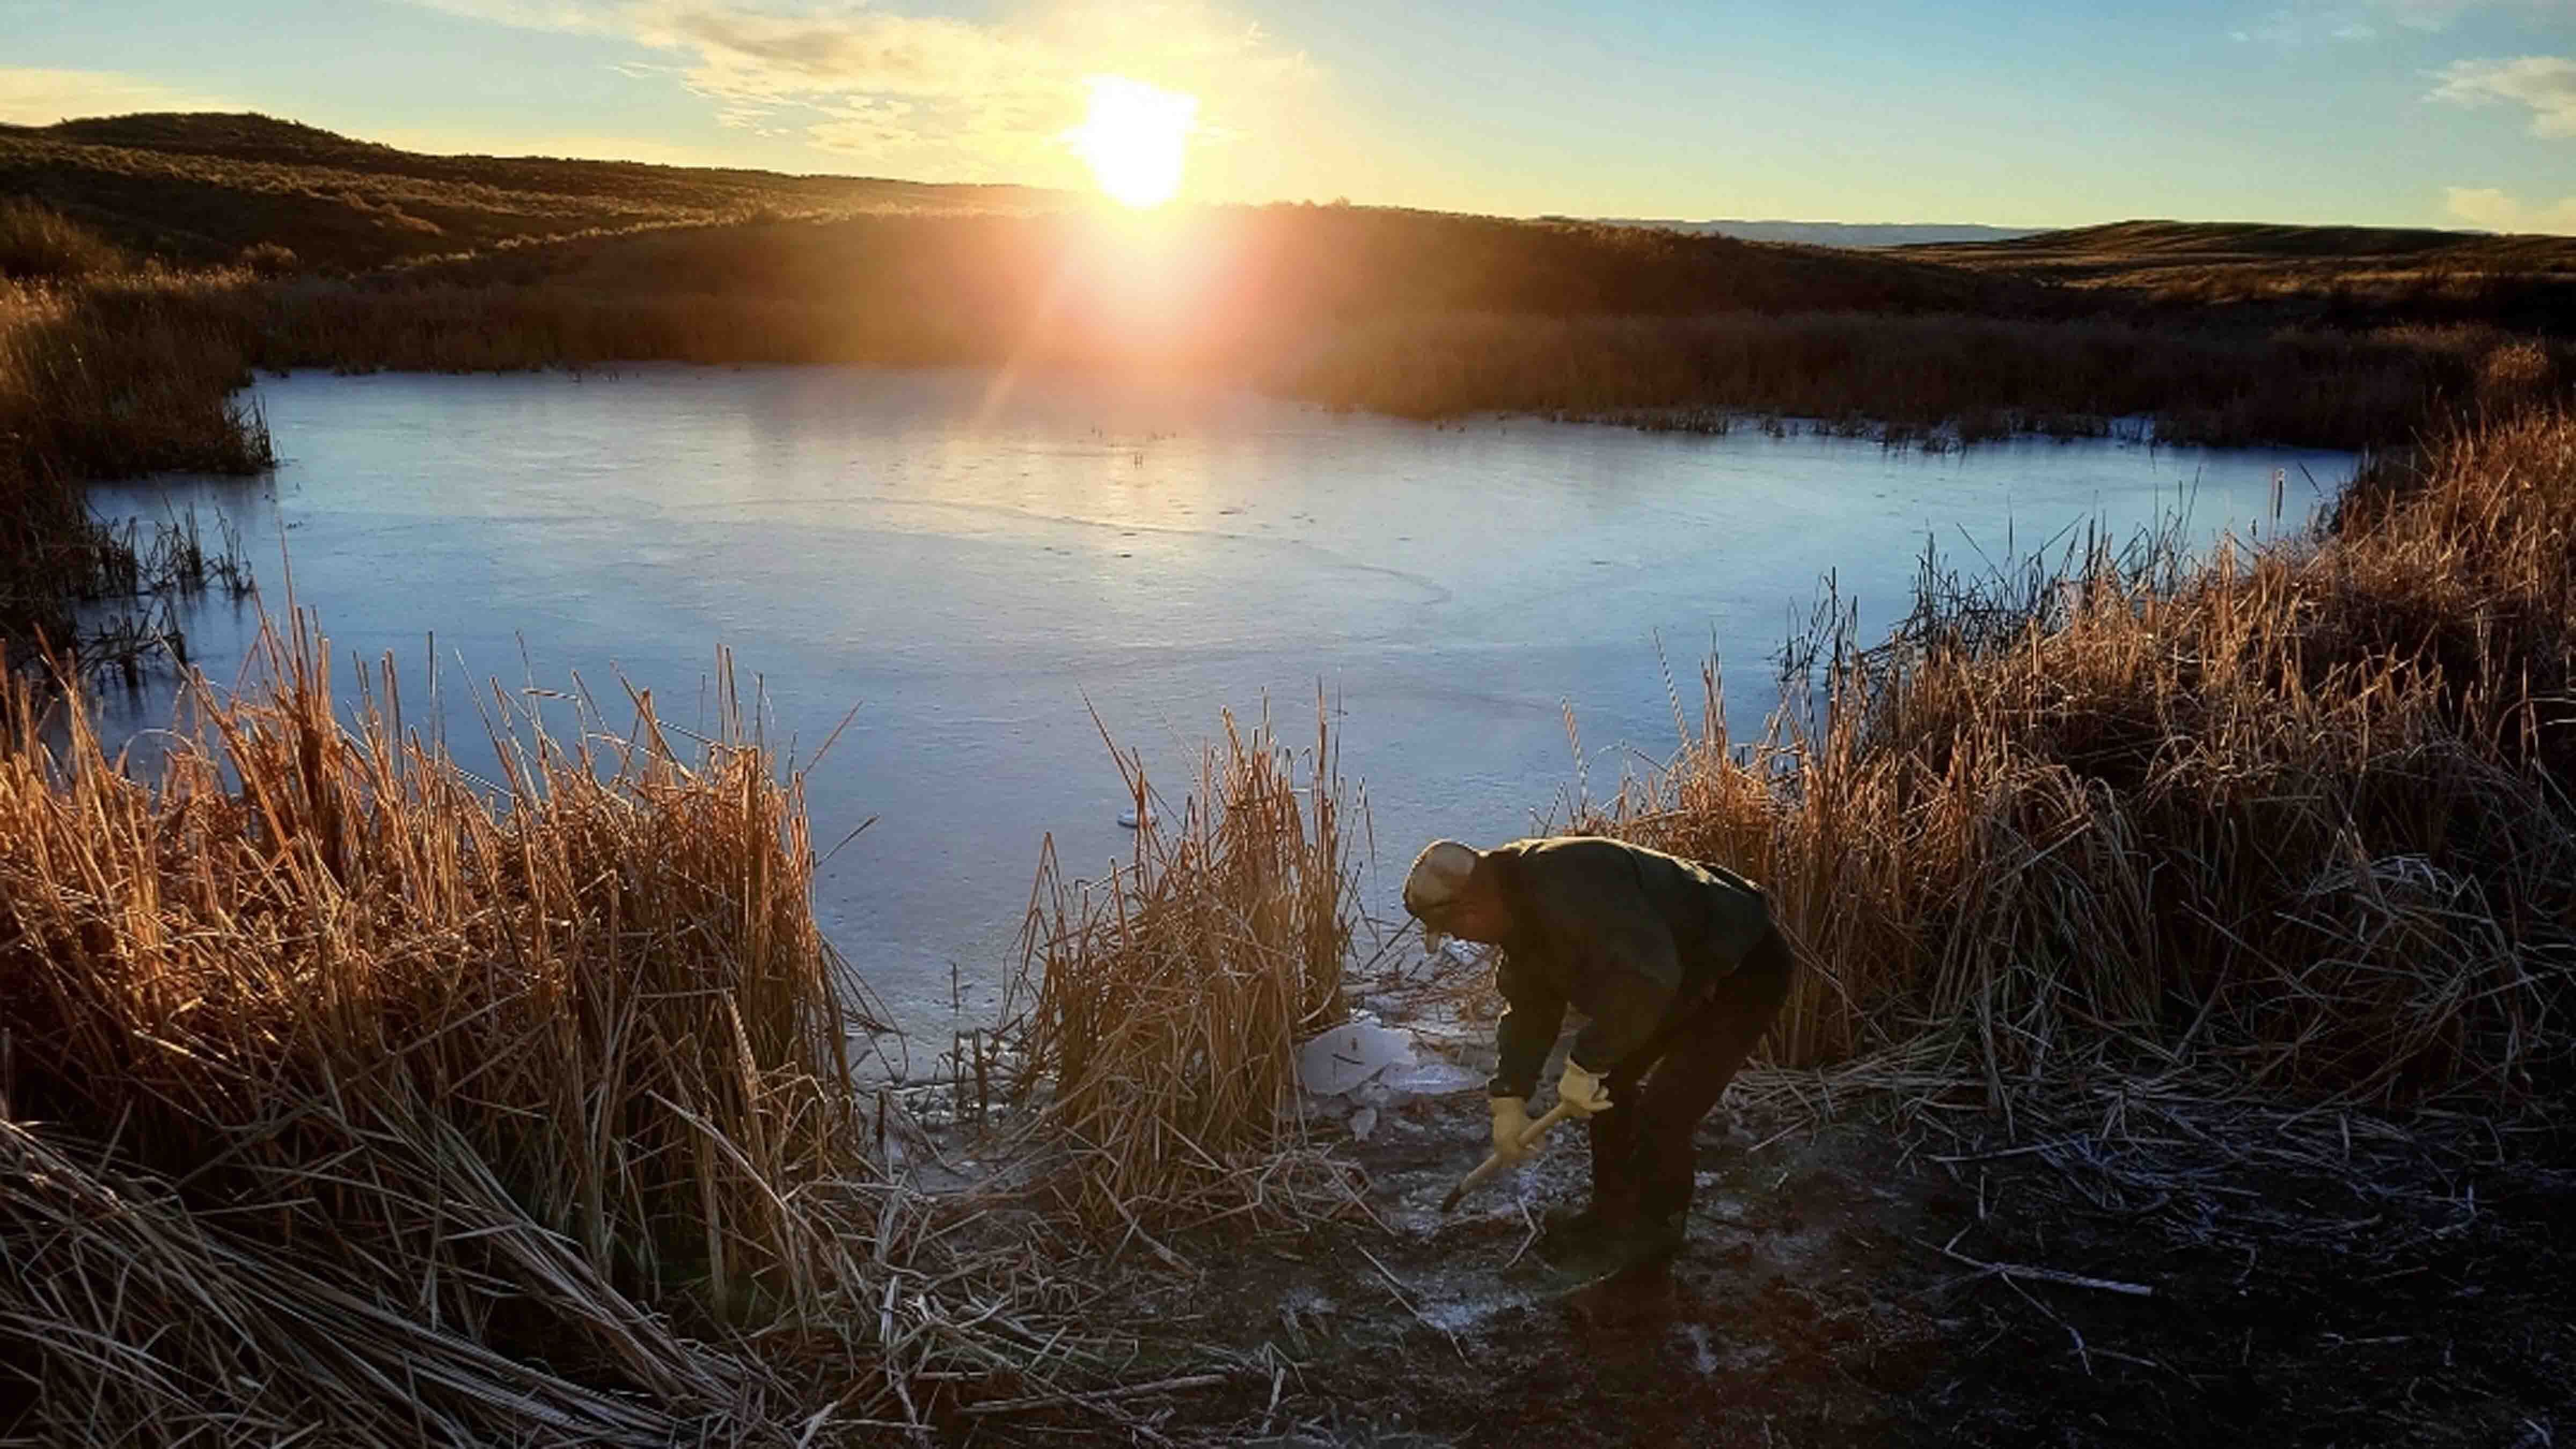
(2392, 112)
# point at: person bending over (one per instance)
(1680, 969)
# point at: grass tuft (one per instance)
(344, 1093)
(107, 378)
(2300, 814)
(1160, 1009)
(38, 243)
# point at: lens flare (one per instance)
(1135, 138)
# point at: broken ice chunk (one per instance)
(1338, 1061)
(1430, 1079)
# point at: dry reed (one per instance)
(1981, 376)
(107, 378)
(37, 241)
(1160, 1009)
(350, 1096)
(2296, 815)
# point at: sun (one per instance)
(1134, 137)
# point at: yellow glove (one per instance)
(1582, 1090)
(1511, 1124)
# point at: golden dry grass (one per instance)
(1983, 376)
(347, 1095)
(2298, 815)
(1160, 1009)
(39, 243)
(2283, 275)
(105, 377)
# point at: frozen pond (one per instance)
(969, 562)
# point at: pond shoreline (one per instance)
(974, 568)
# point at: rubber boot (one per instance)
(1590, 1244)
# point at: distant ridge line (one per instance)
(1838, 233)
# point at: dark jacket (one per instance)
(1621, 933)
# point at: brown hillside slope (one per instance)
(1282, 262)
(252, 137)
(2270, 273)
(2252, 241)
(197, 189)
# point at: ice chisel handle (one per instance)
(1493, 1162)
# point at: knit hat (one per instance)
(1439, 873)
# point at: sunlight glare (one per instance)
(1133, 138)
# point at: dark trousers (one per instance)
(1643, 1166)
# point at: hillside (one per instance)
(2133, 243)
(1835, 233)
(199, 189)
(2332, 274)
(1265, 268)
(196, 189)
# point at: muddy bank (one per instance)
(2106, 1268)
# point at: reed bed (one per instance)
(345, 1095)
(1416, 316)
(1980, 376)
(109, 376)
(1159, 1010)
(120, 375)
(38, 242)
(2296, 816)
(109, 371)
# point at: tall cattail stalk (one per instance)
(1160, 1008)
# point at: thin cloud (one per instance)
(2545, 83)
(2310, 22)
(36, 97)
(2309, 25)
(2441, 14)
(971, 99)
(2493, 210)
(598, 17)
(582, 145)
